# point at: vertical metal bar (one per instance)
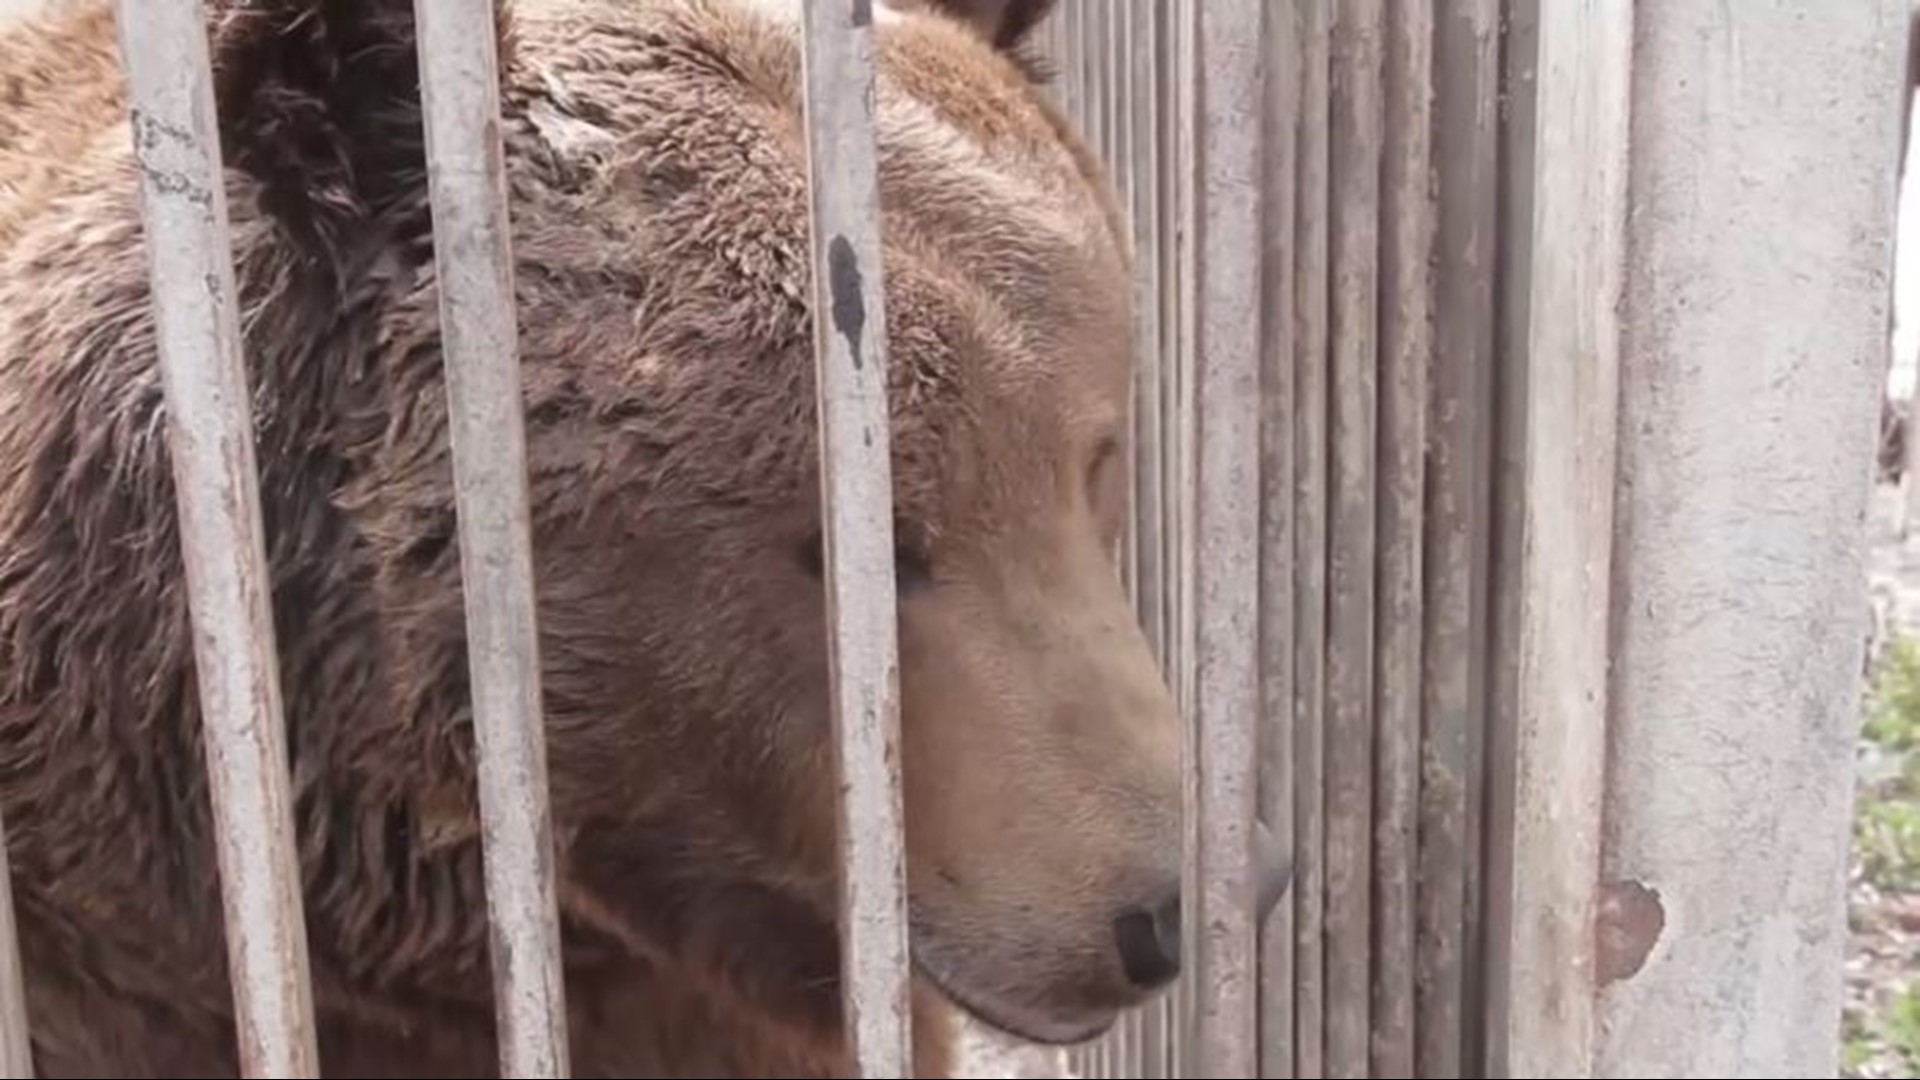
(473, 260)
(1176, 281)
(16, 1048)
(1156, 334)
(1466, 85)
(1480, 512)
(1281, 106)
(1129, 161)
(1406, 348)
(1312, 293)
(1130, 164)
(849, 329)
(1222, 791)
(1573, 348)
(1357, 108)
(210, 437)
(1485, 1052)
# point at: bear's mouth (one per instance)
(1020, 1021)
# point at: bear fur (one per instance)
(656, 162)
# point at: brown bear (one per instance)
(655, 154)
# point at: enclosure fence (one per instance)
(1395, 236)
(1328, 201)
(1382, 270)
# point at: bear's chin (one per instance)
(1020, 1022)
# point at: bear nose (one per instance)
(1149, 943)
(1149, 938)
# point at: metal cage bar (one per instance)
(1279, 518)
(1354, 138)
(1407, 213)
(16, 1048)
(1222, 773)
(1571, 404)
(473, 259)
(849, 329)
(183, 201)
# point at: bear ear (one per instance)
(319, 103)
(1006, 23)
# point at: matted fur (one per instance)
(656, 159)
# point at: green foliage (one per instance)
(1893, 715)
(1881, 1036)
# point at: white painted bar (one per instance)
(857, 502)
(183, 202)
(459, 92)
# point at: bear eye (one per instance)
(910, 569)
(1106, 454)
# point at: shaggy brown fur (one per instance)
(656, 158)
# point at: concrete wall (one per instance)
(1762, 189)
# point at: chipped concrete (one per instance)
(1629, 922)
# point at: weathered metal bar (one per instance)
(1280, 105)
(857, 501)
(1485, 1042)
(1573, 349)
(1355, 145)
(1312, 290)
(16, 1048)
(1156, 1034)
(1465, 87)
(473, 260)
(1407, 215)
(1183, 292)
(1222, 789)
(1063, 44)
(183, 202)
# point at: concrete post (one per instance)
(1762, 184)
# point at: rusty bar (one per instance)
(1406, 349)
(1222, 780)
(1281, 105)
(183, 202)
(856, 473)
(1573, 350)
(1312, 294)
(1485, 1051)
(473, 260)
(1355, 145)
